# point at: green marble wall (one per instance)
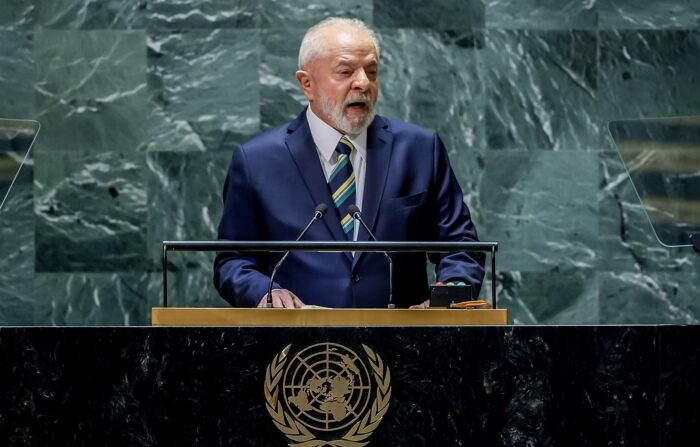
(142, 101)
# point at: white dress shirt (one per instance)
(326, 139)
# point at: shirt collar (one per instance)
(326, 138)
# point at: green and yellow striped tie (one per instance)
(342, 185)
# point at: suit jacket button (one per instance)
(355, 277)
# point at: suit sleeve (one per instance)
(241, 278)
(453, 223)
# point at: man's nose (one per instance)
(361, 80)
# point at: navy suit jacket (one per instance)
(274, 183)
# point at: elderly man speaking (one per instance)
(338, 152)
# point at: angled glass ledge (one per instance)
(16, 140)
(662, 158)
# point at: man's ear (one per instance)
(304, 80)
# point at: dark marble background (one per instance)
(142, 101)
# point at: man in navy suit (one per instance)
(398, 174)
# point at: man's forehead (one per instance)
(350, 57)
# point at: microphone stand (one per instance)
(355, 213)
(318, 213)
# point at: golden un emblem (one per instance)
(326, 395)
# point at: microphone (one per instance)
(355, 213)
(319, 212)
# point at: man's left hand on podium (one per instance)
(424, 305)
(282, 298)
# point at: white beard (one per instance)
(336, 113)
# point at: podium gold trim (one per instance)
(187, 316)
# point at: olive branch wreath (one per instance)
(299, 434)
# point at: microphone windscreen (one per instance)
(321, 209)
(353, 209)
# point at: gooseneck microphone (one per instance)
(357, 215)
(319, 212)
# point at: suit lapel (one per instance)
(379, 144)
(303, 150)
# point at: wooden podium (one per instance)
(181, 316)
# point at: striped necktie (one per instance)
(342, 185)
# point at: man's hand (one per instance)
(282, 298)
(424, 305)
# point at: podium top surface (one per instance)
(179, 316)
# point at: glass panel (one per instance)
(16, 139)
(662, 157)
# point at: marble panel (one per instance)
(184, 194)
(542, 208)
(91, 14)
(90, 212)
(93, 299)
(430, 78)
(646, 74)
(650, 298)
(542, 90)
(16, 15)
(17, 252)
(641, 14)
(16, 75)
(560, 297)
(436, 14)
(283, 14)
(203, 87)
(541, 14)
(90, 90)
(281, 99)
(209, 14)
(627, 241)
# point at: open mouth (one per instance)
(356, 105)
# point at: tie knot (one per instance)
(344, 146)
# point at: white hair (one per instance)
(313, 46)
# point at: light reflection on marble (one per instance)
(627, 242)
